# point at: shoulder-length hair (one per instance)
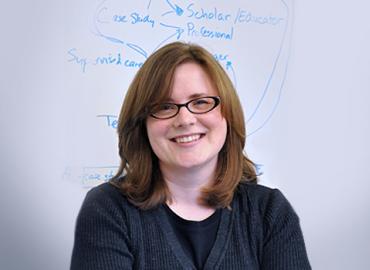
(143, 183)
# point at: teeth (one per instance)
(188, 139)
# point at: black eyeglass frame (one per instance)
(217, 100)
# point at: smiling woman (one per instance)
(185, 196)
(178, 73)
(189, 140)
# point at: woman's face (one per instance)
(188, 140)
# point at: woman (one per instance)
(185, 195)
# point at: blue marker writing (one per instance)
(78, 60)
(221, 57)
(111, 120)
(243, 16)
(207, 15)
(108, 60)
(120, 18)
(136, 18)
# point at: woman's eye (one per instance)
(200, 102)
(165, 107)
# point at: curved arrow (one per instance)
(138, 49)
(97, 32)
(273, 69)
(269, 80)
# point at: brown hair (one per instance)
(143, 183)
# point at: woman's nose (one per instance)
(184, 118)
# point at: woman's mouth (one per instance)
(187, 138)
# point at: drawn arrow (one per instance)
(138, 49)
(178, 10)
(283, 42)
(178, 33)
(150, 1)
(97, 31)
(179, 30)
(229, 66)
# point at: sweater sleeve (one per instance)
(283, 247)
(101, 237)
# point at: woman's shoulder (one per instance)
(104, 191)
(258, 192)
(274, 225)
(263, 200)
(106, 196)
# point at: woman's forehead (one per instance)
(191, 81)
(170, 91)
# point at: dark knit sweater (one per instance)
(261, 231)
(196, 237)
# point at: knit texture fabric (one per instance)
(261, 231)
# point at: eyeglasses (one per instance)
(197, 106)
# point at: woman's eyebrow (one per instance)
(195, 95)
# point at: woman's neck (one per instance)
(185, 185)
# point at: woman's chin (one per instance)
(194, 163)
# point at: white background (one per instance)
(313, 147)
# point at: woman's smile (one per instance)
(185, 139)
(189, 139)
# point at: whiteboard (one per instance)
(300, 70)
(251, 41)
